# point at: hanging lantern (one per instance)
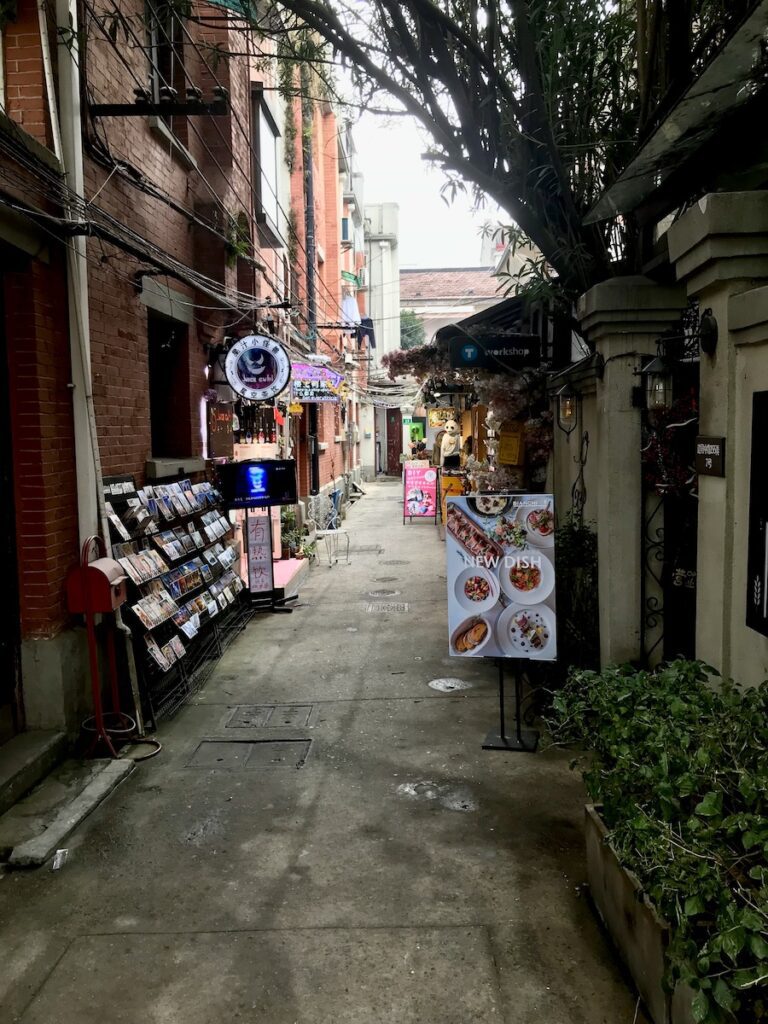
(567, 408)
(658, 384)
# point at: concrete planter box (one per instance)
(640, 934)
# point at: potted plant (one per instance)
(678, 767)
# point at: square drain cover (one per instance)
(243, 754)
(220, 754)
(382, 607)
(274, 716)
(279, 754)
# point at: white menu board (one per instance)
(501, 576)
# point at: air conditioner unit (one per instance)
(362, 277)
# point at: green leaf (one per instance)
(723, 995)
(759, 946)
(733, 942)
(694, 905)
(750, 839)
(700, 1007)
(710, 806)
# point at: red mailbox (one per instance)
(97, 586)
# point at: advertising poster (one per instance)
(501, 576)
(260, 578)
(439, 417)
(315, 383)
(419, 490)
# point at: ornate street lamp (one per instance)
(567, 408)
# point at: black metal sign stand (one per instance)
(525, 740)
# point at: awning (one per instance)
(243, 8)
(730, 82)
(503, 317)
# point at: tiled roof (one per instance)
(447, 283)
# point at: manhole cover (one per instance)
(384, 579)
(449, 685)
(358, 549)
(383, 593)
(244, 754)
(395, 561)
(276, 716)
(279, 754)
(382, 607)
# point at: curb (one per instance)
(37, 850)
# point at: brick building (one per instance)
(133, 244)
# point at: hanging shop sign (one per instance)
(419, 491)
(512, 352)
(500, 553)
(260, 569)
(258, 367)
(710, 456)
(315, 383)
(220, 431)
(511, 446)
(757, 539)
(439, 417)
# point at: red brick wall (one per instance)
(24, 81)
(37, 344)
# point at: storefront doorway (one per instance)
(394, 441)
(11, 715)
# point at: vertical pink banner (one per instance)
(419, 490)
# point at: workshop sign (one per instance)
(510, 352)
(315, 383)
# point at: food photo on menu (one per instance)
(500, 553)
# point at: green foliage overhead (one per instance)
(411, 329)
(536, 104)
(680, 765)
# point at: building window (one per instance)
(170, 408)
(265, 171)
(165, 51)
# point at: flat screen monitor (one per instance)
(258, 484)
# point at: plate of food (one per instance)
(489, 504)
(471, 636)
(525, 631)
(509, 533)
(538, 523)
(530, 578)
(476, 589)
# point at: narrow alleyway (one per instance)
(401, 875)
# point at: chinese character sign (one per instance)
(419, 490)
(260, 580)
(501, 576)
(315, 383)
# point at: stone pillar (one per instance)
(622, 318)
(720, 251)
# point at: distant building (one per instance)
(444, 295)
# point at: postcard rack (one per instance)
(185, 603)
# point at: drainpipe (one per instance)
(67, 134)
(307, 118)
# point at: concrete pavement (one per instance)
(399, 875)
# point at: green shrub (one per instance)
(680, 765)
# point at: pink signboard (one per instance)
(419, 490)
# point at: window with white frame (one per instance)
(266, 148)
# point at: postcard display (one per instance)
(500, 551)
(177, 548)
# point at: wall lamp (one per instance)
(567, 408)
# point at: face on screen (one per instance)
(257, 481)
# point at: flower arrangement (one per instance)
(666, 458)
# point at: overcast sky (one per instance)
(431, 233)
